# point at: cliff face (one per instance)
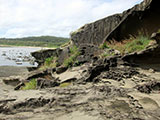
(94, 33)
(143, 18)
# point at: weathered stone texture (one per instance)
(143, 18)
(94, 33)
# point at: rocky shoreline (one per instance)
(124, 92)
(92, 86)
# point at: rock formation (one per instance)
(103, 87)
(141, 19)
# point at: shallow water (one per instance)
(17, 56)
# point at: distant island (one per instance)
(41, 41)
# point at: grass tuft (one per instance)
(105, 54)
(132, 45)
(71, 60)
(65, 84)
(49, 63)
(103, 46)
(31, 85)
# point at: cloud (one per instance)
(21, 18)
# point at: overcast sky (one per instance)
(22, 18)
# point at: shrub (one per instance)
(30, 85)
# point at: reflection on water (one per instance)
(17, 56)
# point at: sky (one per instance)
(23, 18)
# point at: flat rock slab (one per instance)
(71, 74)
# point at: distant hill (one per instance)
(41, 41)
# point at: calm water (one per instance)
(17, 56)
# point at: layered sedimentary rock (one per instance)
(143, 18)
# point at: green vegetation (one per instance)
(103, 46)
(138, 44)
(65, 44)
(71, 60)
(42, 41)
(49, 60)
(31, 85)
(106, 54)
(66, 84)
(49, 63)
(132, 45)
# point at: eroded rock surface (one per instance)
(115, 87)
(96, 91)
(142, 18)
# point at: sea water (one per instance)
(17, 56)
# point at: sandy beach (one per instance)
(6, 71)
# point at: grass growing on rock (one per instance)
(132, 45)
(103, 46)
(62, 85)
(71, 60)
(49, 63)
(31, 85)
(106, 54)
